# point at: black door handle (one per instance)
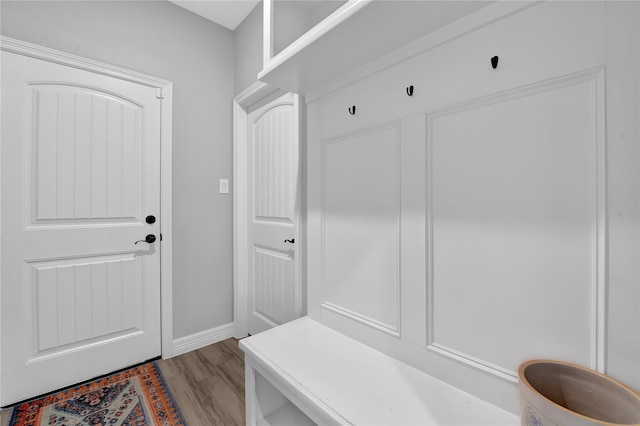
(148, 239)
(290, 241)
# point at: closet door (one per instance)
(80, 172)
(273, 200)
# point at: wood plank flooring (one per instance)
(207, 384)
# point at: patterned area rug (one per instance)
(138, 396)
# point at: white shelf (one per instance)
(356, 34)
(288, 415)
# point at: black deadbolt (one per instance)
(150, 219)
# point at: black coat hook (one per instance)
(410, 90)
(352, 110)
(494, 62)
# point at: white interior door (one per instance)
(274, 293)
(80, 173)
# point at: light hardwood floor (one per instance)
(207, 384)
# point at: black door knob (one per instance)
(148, 239)
(291, 241)
(150, 219)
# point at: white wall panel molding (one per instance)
(516, 225)
(363, 319)
(201, 339)
(360, 221)
(413, 233)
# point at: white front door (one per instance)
(274, 293)
(80, 173)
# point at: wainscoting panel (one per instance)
(361, 225)
(516, 219)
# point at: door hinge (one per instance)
(159, 93)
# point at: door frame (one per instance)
(164, 92)
(248, 98)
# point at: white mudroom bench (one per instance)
(304, 373)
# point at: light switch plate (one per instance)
(224, 186)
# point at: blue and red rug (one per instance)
(135, 397)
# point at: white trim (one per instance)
(1, 266)
(267, 32)
(241, 104)
(201, 339)
(601, 241)
(240, 122)
(51, 55)
(255, 93)
(166, 222)
(70, 60)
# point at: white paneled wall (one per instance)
(361, 173)
(515, 211)
(464, 229)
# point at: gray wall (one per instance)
(163, 40)
(248, 47)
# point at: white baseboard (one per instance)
(203, 338)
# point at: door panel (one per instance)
(80, 170)
(274, 295)
(86, 158)
(78, 301)
(274, 286)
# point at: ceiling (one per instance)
(228, 13)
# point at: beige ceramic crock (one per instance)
(556, 393)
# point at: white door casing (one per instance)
(81, 158)
(273, 293)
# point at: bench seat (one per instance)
(306, 373)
